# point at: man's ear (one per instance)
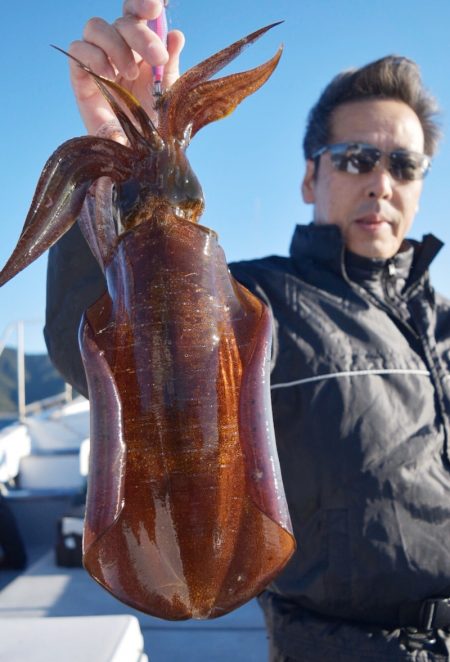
(309, 183)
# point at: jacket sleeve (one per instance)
(74, 282)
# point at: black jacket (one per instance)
(361, 402)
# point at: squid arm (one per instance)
(60, 194)
(191, 103)
(149, 132)
(214, 100)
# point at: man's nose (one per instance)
(380, 184)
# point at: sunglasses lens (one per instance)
(355, 159)
(408, 166)
(359, 159)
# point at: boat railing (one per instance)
(23, 410)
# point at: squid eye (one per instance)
(126, 201)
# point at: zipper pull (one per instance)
(392, 269)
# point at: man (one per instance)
(360, 368)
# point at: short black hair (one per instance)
(391, 77)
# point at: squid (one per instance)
(186, 516)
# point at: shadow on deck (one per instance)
(49, 592)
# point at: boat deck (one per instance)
(46, 591)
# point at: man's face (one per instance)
(373, 210)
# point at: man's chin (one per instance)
(375, 249)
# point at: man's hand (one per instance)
(125, 52)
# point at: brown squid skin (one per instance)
(184, 535)
(186, 515)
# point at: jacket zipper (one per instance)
(365, 294)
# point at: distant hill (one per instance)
(41, 379)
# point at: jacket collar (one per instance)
(322, 246)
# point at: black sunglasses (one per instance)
(360, 158)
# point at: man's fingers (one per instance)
(120, 42)
(108, 39)
(144, 9)
(175, 43)
(141, 39)
(135, 31)
(125, 51)
(94, 57)
(94, 109)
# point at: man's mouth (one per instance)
(372, 222)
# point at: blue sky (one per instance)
(249, 164)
